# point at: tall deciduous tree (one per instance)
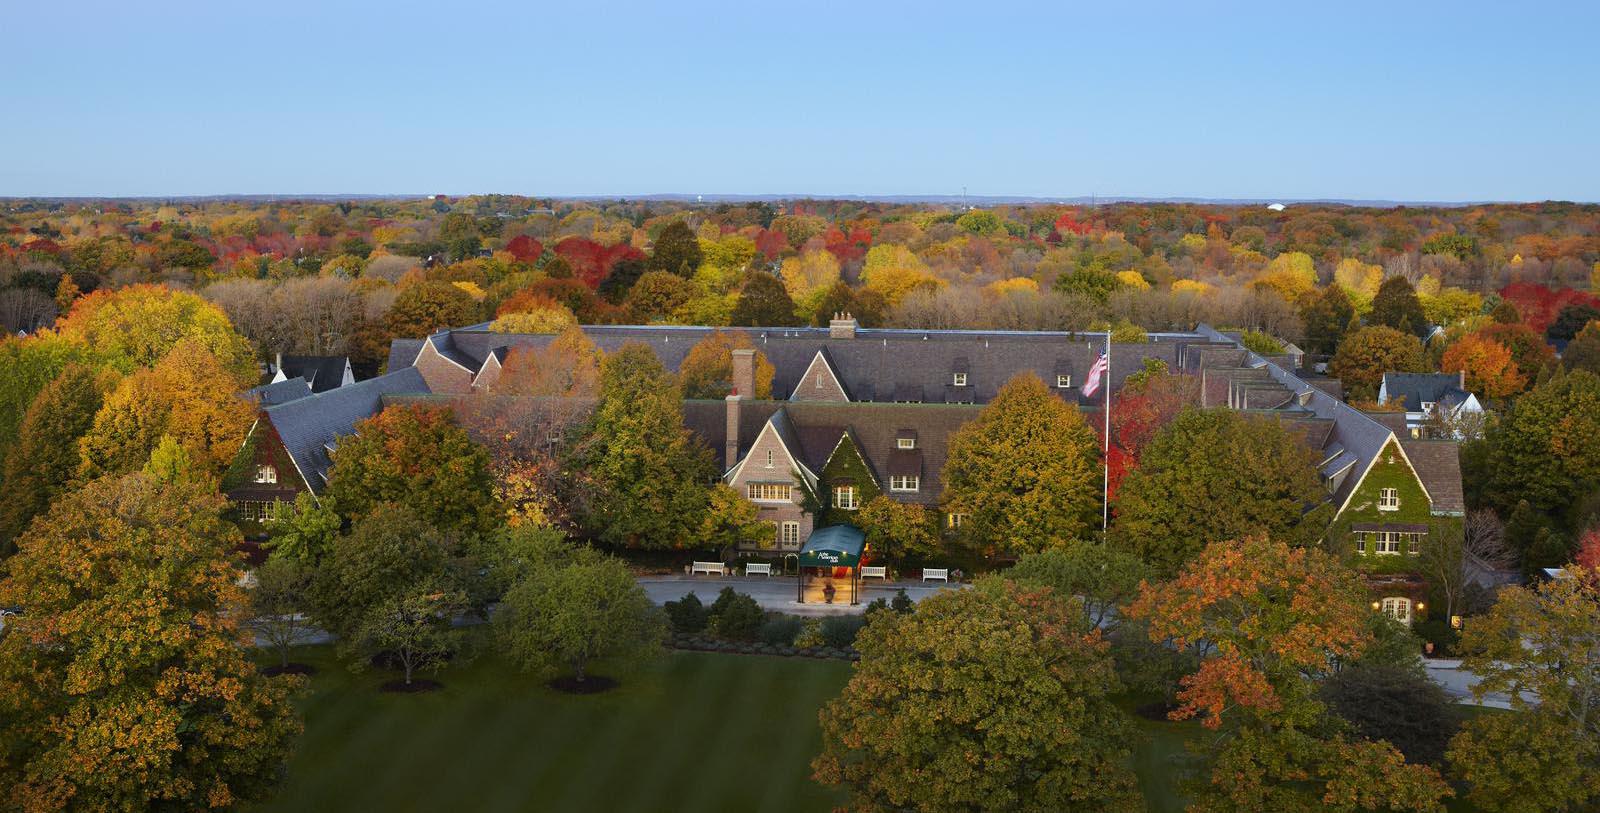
(1365, 355)
(900, 530)
(573, 613)
(1543, 450)
(980, 700)
(1214, 475)
(1396, 305)
(125, 685)
(1268, 618)
(1026, 472)
(1541, 647)
(418, 456)
(26, 366)
(707, 371)
(45, 460)
(1487, 363)
(425, 307)
(763, 302)
(676, 250)
(138, 325)
(1102, 578)
(641, 478)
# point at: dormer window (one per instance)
(905, 443)
(1389, 499)
(1427, 406)
(1063, 381)
(266, 474)
(958, 379)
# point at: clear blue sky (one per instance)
(1390, 100)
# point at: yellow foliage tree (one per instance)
(1290, 274)
(1133, 280)
(136, 326)
(808, 278)
(1015, 285)
(552, 318)
(894, 271)
(1192, 286)
(1359, 280)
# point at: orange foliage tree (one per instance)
(1266, 619)
(1488, 364)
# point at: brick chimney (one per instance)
(1461, 379)
(842, 326)
(744, 386)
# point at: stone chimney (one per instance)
(1461, 380)
(842, 326)
(744, 386)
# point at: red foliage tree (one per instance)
(1589, 549)
(771, 243)
(525, 248)
(1538, 305)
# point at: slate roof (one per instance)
(875, 365)
(279, 392)
(310, 425)
(324, 372)
(1414, 388)
(1438, 465)
(403, 353)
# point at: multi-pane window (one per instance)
(904, 483)
(959, 379)
(789, 534)
(767, 492)
(1063, 381)
(1397, 608)
(257, 511)
(844, 497)
(955, 520)
(266, 474)
(769, 458)
(1388, 542)
(905, 443)
(1389, 499)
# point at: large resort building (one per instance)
(857, 412)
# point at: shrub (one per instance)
(1261, 343)
(902, 603)
(810, 634)
(687, 614)
(736, 616)
(877, 605)
(839, 631)
(1385, 703)
(780, 630)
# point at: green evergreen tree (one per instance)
(1396, 305)
(763, 302)
(1327, 316)
(45, 459)
(676, 250)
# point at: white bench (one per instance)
(755, 569)
(875, 573)
(940, 573)
(713, 568)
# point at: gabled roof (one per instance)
(1414, 388)
(311, 426)
(324, 372)
(403, 353)
(279, 392)
(1438, 466)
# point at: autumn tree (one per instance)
(138, 325)
(763, 302)
(26, 366)
(1583, 352)
(898, 531)
(1101, 578)
(707, 370)
(676, 250)
(126, 685)
(1025, 472)
(1542, 450)
(1213, 475)
(420, 457)
(1528, 349)
(279, 600)
(1402, 707)
(1365, 355)
(1540, 646)
(924, 700)
(1267, 618)
(808, 277)
(567, 367)
(1396, 305)
(731, 521)
(640, 476)
(187, 396)
(305, 531)
(576, 612)
(1488, 365)
(658, 294)
(1327, 317)
(44, 462)
(423, 308)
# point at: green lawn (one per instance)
(695, 732)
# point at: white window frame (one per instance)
(258, 510)
(908, 482)
(768, 492)
(789, 534)
(844, 497)
(1388, 499)
(955, 519)
(1063, 382)
(958, 379)
(266, 473)
(905, 443)
(1397, 607)
(1387, 543)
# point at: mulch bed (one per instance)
(1156, 711)
(416, 686)
(593, 684)
(290, 669)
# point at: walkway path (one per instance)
(777, 592)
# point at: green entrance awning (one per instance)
(833, 546)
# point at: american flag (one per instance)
(1091, 384)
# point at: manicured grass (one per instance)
(694, 732)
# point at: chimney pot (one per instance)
(843, 326)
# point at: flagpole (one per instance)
(1105, 487)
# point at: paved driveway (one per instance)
(776, 592)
